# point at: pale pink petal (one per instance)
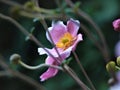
(56, 31)
(118, 76)
(66, 53)
(79, 38)
(52, 51)
(117, 49)
(42, 51)
(51, 72)
(63, 53)
(49, 60)
(115, 87)
(73, 26)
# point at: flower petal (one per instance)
(56, 31)
(79, 38)
(63, 53)
(73, 26)
(117, 49)
(118, 76)
(66, 53)
(51, 72)
(41, 51)
(49, 60)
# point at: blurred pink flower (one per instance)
(116, 86)
(65, 38)
(117, 49)
(116, 24)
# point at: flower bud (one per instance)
(111, 66)
(116, 25)
(29, 5)
(118, 61)
(15, 58)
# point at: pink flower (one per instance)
(116, 25)
(117, 49)
(65, 38)
(51, 72)
(116, 86)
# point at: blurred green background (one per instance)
(103, 12)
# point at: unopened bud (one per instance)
(116, 25)
(29, 5)
(15, 58)
(118, 61)
(111, 66)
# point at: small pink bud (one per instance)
(116, 25)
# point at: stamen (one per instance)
(65, 41)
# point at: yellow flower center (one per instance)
(65, 41)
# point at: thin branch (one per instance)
(39, 66)
(85, 29)
(98, 30)
(75, 77)
(40, 16)
(19, 75)
(25, 32)
(11, 3)
(58, 3)
(36, 2)
(83, 70)
(4, 73)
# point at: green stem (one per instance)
(38, 66)
(75, 77)
(117, 67)
(39, 16)
(42, 10)
(27, 9)
(83, 70)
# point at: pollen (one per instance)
(65, 41)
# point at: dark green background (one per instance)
(103, 12)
